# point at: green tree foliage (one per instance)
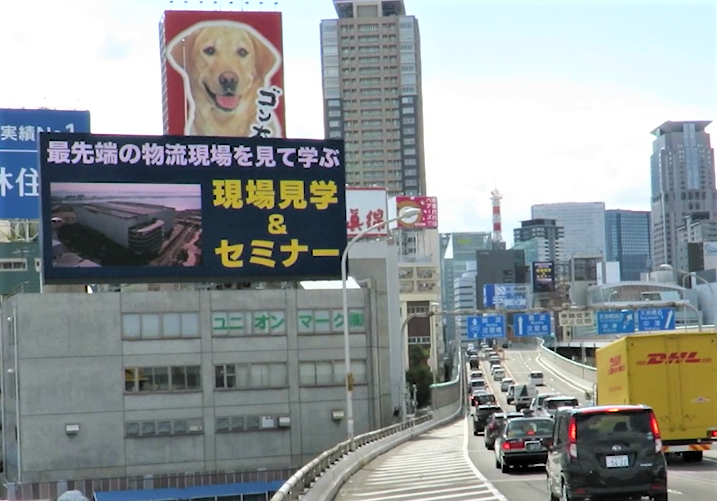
(419, 374)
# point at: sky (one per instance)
(547, 101)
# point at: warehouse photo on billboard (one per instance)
(227, 69)
(125, 224)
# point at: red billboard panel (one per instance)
(427, 218)
(223, 74)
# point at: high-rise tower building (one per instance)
(627, 239)
(683, 183)
(545, 236)
(371, 67)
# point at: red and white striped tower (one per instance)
(496, 197)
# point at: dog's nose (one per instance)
(228, 80)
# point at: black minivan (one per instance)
(606, 451)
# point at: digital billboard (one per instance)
(121, 209)
(19, 177)
(223, 73)
(543, 276)
(366, 207)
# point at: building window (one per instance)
(248, 376)
(160, 325)
(135, 429)
(13, 264)
(248, 423)
(330, 373)
(162, 379)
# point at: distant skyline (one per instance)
(548, 103)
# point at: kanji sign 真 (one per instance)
(136, 208)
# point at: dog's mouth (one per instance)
(225, 102)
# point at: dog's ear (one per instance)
(264, 56)
(182, 50)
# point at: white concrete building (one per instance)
(138, 227)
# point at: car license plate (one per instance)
(532, 446)
(617, 461)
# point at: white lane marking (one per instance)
(673, 491)
(478, 474)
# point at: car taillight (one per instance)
(573, 438)
(713, 434)
(655, 432)
(513, 444)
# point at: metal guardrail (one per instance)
(306, 476)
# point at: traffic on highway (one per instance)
(543, 438)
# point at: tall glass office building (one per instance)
(627, 240)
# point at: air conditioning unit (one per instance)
(196, 428)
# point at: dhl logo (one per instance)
(676, 357)
(616, 365)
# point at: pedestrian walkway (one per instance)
(434, 465)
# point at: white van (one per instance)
(537, 378)
(523, 395)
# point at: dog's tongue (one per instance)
(228, 102)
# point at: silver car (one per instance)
(505, 383)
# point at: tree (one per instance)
(419, 374)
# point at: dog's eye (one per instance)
(209, 51)
(243, 52)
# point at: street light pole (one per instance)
(667, 267)
(405, 213)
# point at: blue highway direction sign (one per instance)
(486, 326)
(655, 319)
(532, 324)
(615, 322)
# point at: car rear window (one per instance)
(553, 404)
(489, 409)
(536, 374)
(485, 399)
(528, 427)
(594, 424)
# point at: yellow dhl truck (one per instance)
(676, 375)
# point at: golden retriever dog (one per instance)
(224, 64)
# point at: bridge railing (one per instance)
(323, 477)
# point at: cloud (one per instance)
(538, 141)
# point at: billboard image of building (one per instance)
(19, 140)
(222, 73)
(238, 209)
(126, 224)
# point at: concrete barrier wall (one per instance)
(445, 394)
(568, 366)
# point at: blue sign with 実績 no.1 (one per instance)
(19, 140)
(485, 326)
(656, 319)
(615, 322)
(532, 324)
